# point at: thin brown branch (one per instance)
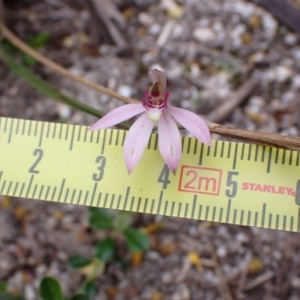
(106, 11)
(259, 280)
(57, 68)
(243, 275)
(284, 12)
(223, 283)
(222, 111)
(262, 138)
(268, 139)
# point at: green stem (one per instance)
(46, 89)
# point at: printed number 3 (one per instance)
(101, 160)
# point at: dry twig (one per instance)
(244, 273)
(268, 139)
(222, 111)
(284, 12)
(107, 12)
(262, 138)
(258, 281)
(223, 283)
(57, 68)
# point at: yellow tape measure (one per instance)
(230, 182)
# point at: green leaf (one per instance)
(50, 289)
(100, 218)
(28, 61)
(80, 297)
(105, 250)
(9, 46)
(44, 88)
(78, 262)
(3, 286)
(122, 220)
(136, 240)
(90, 289)
(39, 41)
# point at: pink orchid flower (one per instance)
(155, 111)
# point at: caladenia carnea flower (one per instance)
(155, 111)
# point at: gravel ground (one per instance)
(208, 49)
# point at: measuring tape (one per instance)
(230, 182)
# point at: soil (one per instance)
(208, 49)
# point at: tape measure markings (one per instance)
(110, 138)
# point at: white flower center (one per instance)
(154, 114)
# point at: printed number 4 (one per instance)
(164, 177)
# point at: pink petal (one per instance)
(136, 141)
(158, 76)
(118, 115)
(193, 123)
(169, 141)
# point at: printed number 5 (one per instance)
(231, 183)
(101, 160)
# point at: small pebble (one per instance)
(221, 251)
(175, 71)
(167, 277)
(266, 249)
(125, 90)
(295, 282)
(290, 39)
(204, 35)
(182, 293)
(153, 255)
(269, 24)
(211, 278)
(277, 255)
(41, 269)
(154, 29)
(296, 81)
(279, 74)
(29, 292)
(63, 110)
(178, 31)
(241, 237)
(145, 19)
(223, 231)
(193, 231)
(244, 9)
(61, 255)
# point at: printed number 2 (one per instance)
(101, 160)
(39, 153)
(231, 183)
(164, 177)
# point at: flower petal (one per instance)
(136, 141)
(118, 115)
(192, 122)
(158, 76)
(169, 141)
